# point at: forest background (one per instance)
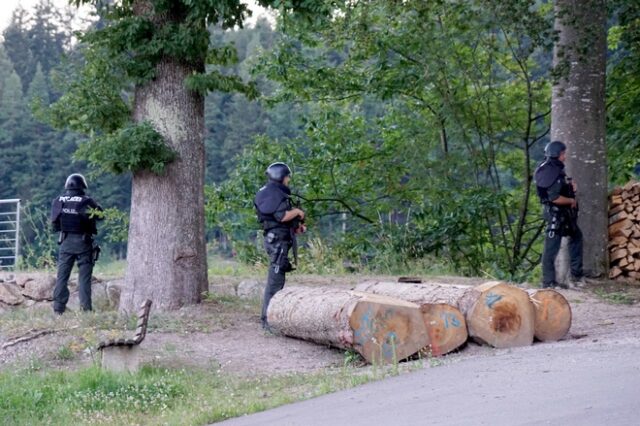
(412, 140)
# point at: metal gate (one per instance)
(9, 233)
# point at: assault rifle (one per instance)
(572, 212)
(296, 228)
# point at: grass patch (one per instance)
(106, 269)
(158, 396)
(615, 297)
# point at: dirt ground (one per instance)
(224, 332)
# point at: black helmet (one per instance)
(554, 149)
(278, 171)
(75, 181)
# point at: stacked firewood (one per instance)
(624, 232)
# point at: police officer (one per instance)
(557, 193)
(71, 216)
(280, 222)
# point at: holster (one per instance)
(279, 258)
(96, 253)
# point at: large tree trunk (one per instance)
(496, 313)
(553, 314)
(381, 329)
(166, 256)
(578, 118)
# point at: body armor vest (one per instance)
(71, 212)
(267, 201)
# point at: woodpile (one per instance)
(624, 232)
(387, 321)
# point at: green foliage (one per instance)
(422, 126)
(38, 244)
(131, 148)
(623, 93)
(115, 226)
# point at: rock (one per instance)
(7, 277)
(22, 278)
(222, 289)
(250, 289)
(40, 287)
(10, 294)
(114, 290)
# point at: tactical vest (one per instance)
(546, 175)
(71, 211)
(267, 200)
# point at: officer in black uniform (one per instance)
(281, 222)
(71, 216)
(557, 193)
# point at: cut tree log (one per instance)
(381, 329)
(617, 229)
(615, 272)
(446, 326)
(497, 314)
(617, 209)
(618, 254)
(618, 217)
(553, 314)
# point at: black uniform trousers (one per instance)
(277, 243)
(74, 248)
(552, 242)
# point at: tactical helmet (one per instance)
(278, 171)
(554, 149)
(75, 181)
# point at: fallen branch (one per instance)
(32, 334)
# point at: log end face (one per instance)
(502, 317)
(446, 327)
(386, 332)
(552, 315)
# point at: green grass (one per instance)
(615, 297)
(157, 396)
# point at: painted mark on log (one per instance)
(450, 318)
(491, 299)
(365, 330)
(389, 345)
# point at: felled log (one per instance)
(446, 327)
(381, 329)
(497, 314)
(553, 314)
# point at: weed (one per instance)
(65, 353)
(352, 358)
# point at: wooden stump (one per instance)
(496, 313)
(382, 329)
(553, 314)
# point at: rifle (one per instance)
(572, 212)
(296, 223)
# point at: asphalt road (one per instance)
(586, 383)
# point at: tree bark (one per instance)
(553, 314)
(381, 329)
(497, 314)
(578, 118)
(166, 256)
